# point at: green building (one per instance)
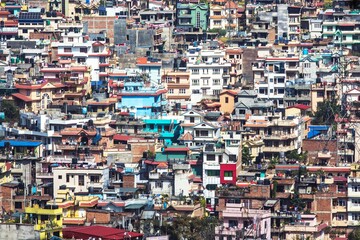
(191, 17)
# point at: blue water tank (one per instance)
(2, 115)
(84, 110)
(305, 51)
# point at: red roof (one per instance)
(105, 203)
(300, 106)
(176, 149)
(22, 97)
(328, 169)
(105, 233)
(122, 137)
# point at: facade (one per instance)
(208, 71)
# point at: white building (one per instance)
(81, 179)
(207, 72)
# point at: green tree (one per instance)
(355, 234)
(326, 111)
(184, 227)
(10, 110)
(246, 156)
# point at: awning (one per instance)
(22, 97)
(19, 143)
(134, 206)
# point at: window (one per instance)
(226, 99)
(60, 177)
(198, 20)
(355, 216)
(213, 173)
(307, 75)
(217, 22)
(233, 223)
(271, 90)
(171, 91)
(355, 188)
(195, 71)
(355, 202)
(28, 92)
(216, 71)
(306, 65)
(81, 180)
(271, 80)
(158, 184)
(317, 25)
(195, 82)
(95, 178)
(67, 178)
(210, 157)
(205, 82)
(38, 93)
(280, 91)
(228, 174)
(192, 119)
(83, 50)
(70, 39)
(320, 94)
(67, 50)
(204, 133)
(216, 82)
(18, 205)
(216, 92)
(182, 91)
(168, 79)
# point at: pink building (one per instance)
(240, 222)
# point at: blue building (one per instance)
(150, 67)
(169, 130)
(142, 101)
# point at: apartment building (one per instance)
(279, 135)
(178, 85)
(88, 178)
(208, 73)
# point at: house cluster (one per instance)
(118, 117)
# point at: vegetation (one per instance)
(246, 156)
(355, 235)
(11, 111)
(184, 227)
(326, 111)
(220, 32)
(294, 155)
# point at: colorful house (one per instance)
(191, 16)
(142, 101)
(47, 221)
(169, 130)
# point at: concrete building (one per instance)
(90, 179)
(209, 73)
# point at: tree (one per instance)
(326, 111)
(246, 156)
(355, 234)
(10, 110)
(294, 155)
(184, 227)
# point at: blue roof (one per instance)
(19, 143)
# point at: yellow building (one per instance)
(227, 101)
(74, 207)
(48, 222)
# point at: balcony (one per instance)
(324, 155)
(339, 223)
(278, 149)
(42, 175)
(326, 181)
(337, 209)
(232, 192)
(298, 227)
(347, 152)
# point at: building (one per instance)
(191, 17)
(209, 73)
(47, 221)
(92, 179)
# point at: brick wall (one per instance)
(314, 146)
(128, 181)
(100, 23)
(138, 148)
(6, 200)
(101, 217)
